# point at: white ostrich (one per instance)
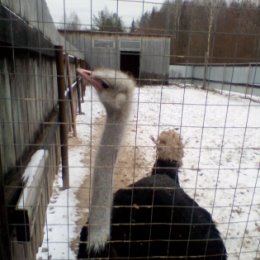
(114, 89)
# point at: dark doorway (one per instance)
(130, 62)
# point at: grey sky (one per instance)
(126, 9)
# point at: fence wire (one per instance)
(196, 67)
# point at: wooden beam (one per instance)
(62, 115)
(71, 94)
(83, 65)
(79, 90)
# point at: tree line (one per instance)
(201, 31)
(211, 31)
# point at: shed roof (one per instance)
(103, 33)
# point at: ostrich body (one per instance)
(155, 219)
(114, 89)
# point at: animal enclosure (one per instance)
(196, 70)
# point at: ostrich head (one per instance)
(169, 147)
(114, 88)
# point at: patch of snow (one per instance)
(32, 177)
(31, 169)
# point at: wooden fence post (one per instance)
(71, 94)
(62, 115)
(79, 90)
(82, 86)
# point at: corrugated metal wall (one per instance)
(244, 78)
(154, 51)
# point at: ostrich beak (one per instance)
(86, 74)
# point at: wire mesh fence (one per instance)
(196, 73)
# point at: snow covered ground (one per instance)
(220, 168)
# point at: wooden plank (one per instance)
(36, 238)
(63, 117)
(52, 169)
(54, 83)
(71, 97)
(32, 245)
(20, 116)
(41, 87)
(7, 149)
(26, 114)
(30, 102)
(83, 86)
(78, 87)
(41, 218)
(48, 98)
(17, 110)
(57, 152)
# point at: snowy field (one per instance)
(220, 168)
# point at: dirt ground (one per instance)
(131, 166)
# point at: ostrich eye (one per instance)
(104, 85)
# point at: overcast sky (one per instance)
(126, 9)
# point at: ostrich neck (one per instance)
(102, 188)
(113, 132)
(109, 144)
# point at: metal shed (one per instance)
(145, 56)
